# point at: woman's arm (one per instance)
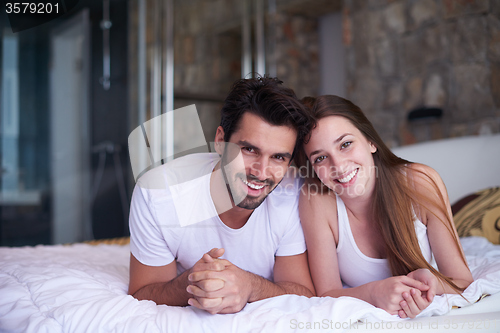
(443, 237)
(318, 214)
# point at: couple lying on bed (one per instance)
(219, 230)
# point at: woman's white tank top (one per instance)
(356, 268)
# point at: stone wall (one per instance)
(208, 51)
(297, 53)
(404, 54)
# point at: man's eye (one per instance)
(346, 144)
(279, 157)
(248, 149)
(319, 159)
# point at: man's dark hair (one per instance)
(267, 98)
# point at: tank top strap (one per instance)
(342, 221)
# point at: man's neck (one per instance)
(236, 217)
(231, 215)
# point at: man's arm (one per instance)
(291, 276)
(240, 287)
(161, 283)
(158, 283)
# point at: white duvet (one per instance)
(83, 288)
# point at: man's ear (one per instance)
(219, 140)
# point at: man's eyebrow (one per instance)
(247, 144)
(284, 155)
(336, 141)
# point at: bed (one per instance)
(83, 287)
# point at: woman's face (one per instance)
(342, 157)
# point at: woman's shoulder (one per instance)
(422, 174)
(429, 186)
(317, 201)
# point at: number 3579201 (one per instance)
(31, 8)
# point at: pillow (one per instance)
(478, 214)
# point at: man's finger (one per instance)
(210, 285)
(208, 304)
(203, 275)
(214, 265)
(207, 258)
(216, 252)
(198, 292)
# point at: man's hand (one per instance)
(225, 290)
(219, 286)
(209, 262)
(387, 294)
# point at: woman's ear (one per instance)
(373, 148)
(219, 140)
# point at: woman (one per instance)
(373, 227)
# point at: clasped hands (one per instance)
(217, 285)
(407, 295)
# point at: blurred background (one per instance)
(73, 89)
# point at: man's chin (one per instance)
(251, 203)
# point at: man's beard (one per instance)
(248, 202)
(242, 200)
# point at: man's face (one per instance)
(256, 159)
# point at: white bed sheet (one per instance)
(83, 288)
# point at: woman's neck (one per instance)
(360, 207)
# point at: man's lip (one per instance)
(255, 185)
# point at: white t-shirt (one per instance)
(172, 216)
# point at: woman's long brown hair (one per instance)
(395, 196)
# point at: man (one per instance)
(221, 237)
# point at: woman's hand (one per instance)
(412, 304)
(388, 294)
(416, 301)
(425, 276)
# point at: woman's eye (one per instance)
(346, 144)
(319, 159)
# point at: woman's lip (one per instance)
(346, 177)
(352, 175)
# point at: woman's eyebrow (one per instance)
(336, 141)
(314, 153)
(341, 137)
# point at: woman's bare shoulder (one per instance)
(317, 203)
(423, 175)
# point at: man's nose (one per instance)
(260, 168)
